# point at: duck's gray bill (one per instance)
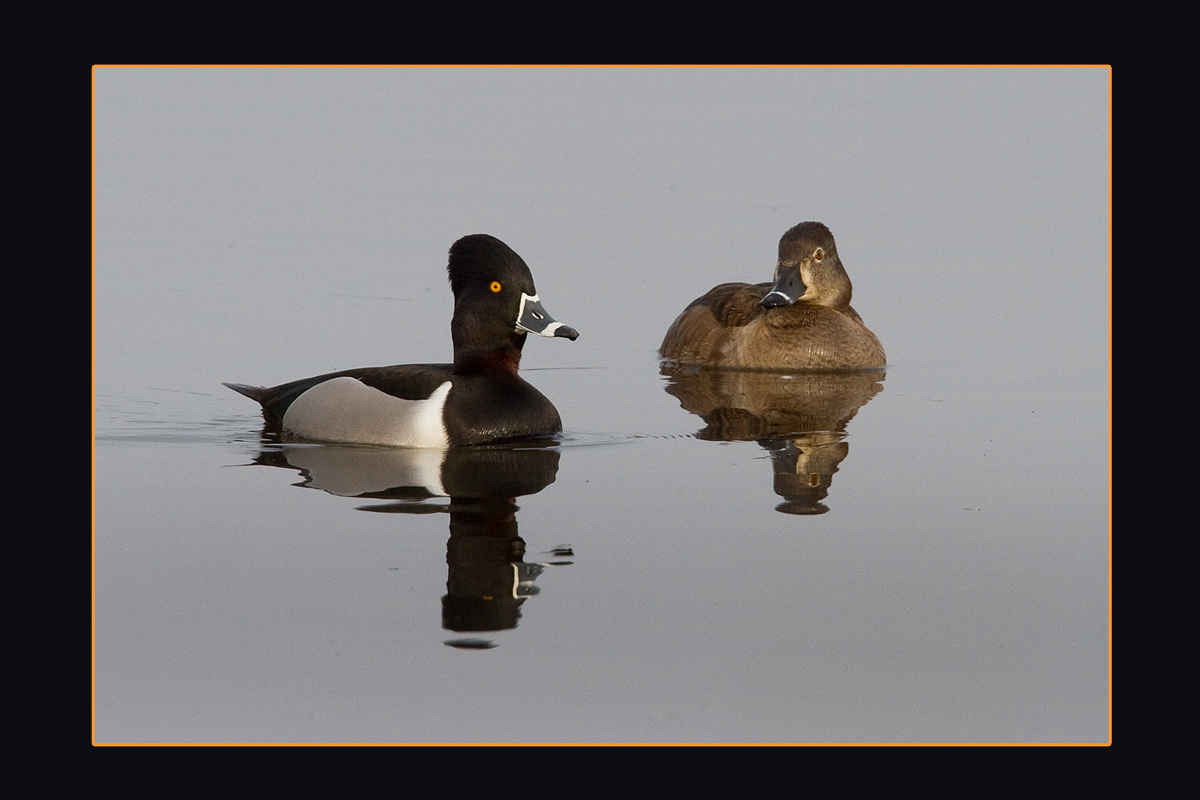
(532, 318)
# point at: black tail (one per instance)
(255, 393)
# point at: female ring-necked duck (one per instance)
(479, 398)
(803, 320)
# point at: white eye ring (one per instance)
(818, 254)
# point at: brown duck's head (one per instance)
(809, 270)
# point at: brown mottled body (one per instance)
(801, 321)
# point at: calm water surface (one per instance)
(920, 556)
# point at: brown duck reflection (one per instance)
(488, 579)
(799, 418)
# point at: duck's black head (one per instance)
(495, 302)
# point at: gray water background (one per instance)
(260, 225)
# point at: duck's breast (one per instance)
(805, 336)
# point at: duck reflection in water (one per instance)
(488, 578)
(799, 418)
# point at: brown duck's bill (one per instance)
(787, 289)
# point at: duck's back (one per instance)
(702, 333)
(407, 381)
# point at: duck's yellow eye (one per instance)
(818, 254)
(496, 286)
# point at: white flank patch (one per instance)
(347, 410)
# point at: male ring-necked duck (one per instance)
(803, 320)
(479, 398)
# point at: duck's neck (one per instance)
(505, 361)
(474, 355)
(840, 297)
(836, 290)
